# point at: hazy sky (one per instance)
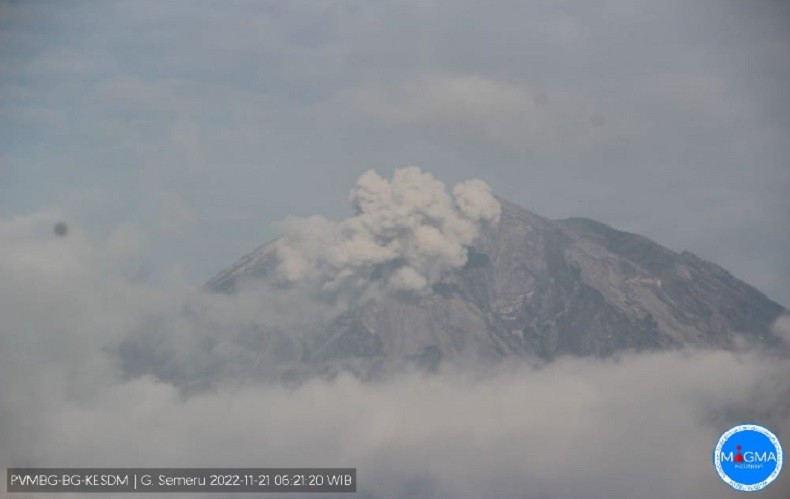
(193, 126)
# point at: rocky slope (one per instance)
(534, 286)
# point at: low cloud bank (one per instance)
(640, 425)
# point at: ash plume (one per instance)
(408, 231)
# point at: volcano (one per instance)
(535, 287)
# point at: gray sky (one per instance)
(192, 126)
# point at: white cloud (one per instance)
(782, 328)
(174, 215)
(125, 242)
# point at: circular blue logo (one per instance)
(748, 457)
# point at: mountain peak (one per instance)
(531, 286)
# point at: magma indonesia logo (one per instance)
(748, 457)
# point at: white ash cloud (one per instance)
(409, 230)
